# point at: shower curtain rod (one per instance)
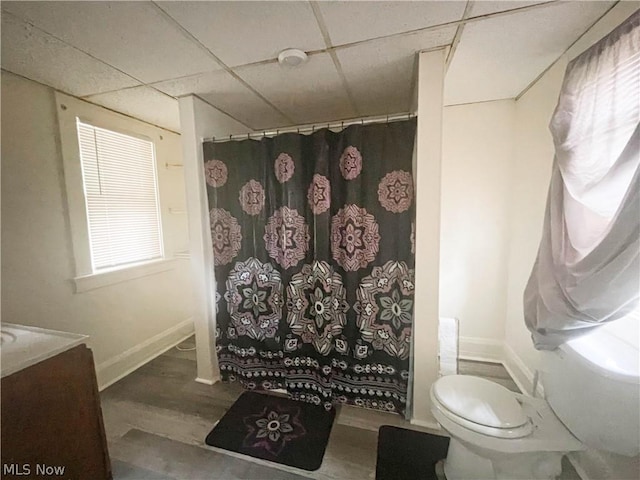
(311, 128)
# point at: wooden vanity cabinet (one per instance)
(51, 417)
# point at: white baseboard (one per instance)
(112, 370)
(521, 374)
(495, 351)
(426, 424)
(206, 381)
(575, 463)
(480, 349)
(593, 464)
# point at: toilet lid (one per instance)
(479, 401)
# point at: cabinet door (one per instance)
(51, 417)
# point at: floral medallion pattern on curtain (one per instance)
(314, 263)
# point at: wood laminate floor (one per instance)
(157, 417)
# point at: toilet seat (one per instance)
(532, 450)
(481, 406)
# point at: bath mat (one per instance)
(275, 428)
(407, 454)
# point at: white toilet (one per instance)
(592, 389)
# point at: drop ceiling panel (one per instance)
(380, 73)
(498, 57)
(135, 37)
(485, 7)
(223, 91)
(144, 103)
(310, 93)
(354, 21)
(33, 54)
(245, 32)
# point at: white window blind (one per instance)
(598, 112)
(121, 195)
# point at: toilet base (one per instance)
(463, 464)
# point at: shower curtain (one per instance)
(313, 252)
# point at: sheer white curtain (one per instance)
(587, 271)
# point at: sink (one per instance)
(23, 346)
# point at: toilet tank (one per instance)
(593, 385)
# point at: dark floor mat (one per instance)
(275, 428)
(407, 454)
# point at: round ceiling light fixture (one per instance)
(292, 57)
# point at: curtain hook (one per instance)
(248, 136)
(313, 128)
(387, 118)
(277, 132)
(342, 125)
(298, 130)
(230, 137)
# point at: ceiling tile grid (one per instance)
(311, 93)
(229, 95)
(29, 52)
(225, 52)
(246, 32)
(349, 21)
(135, 37)
(486, 7)
(144, 103)
(498, 57)
(381, 72)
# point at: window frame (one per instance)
(95, 270)
(69, 110)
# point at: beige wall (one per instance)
(531, 172)
(129, 321)
(476, 171)
(530, 180)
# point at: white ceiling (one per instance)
(137, 57)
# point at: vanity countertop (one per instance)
(23, 346)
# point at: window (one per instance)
(586, 271)
(117, 197)
(595, 121)
(121, 195)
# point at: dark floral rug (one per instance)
(275, 428)
(408, 455)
